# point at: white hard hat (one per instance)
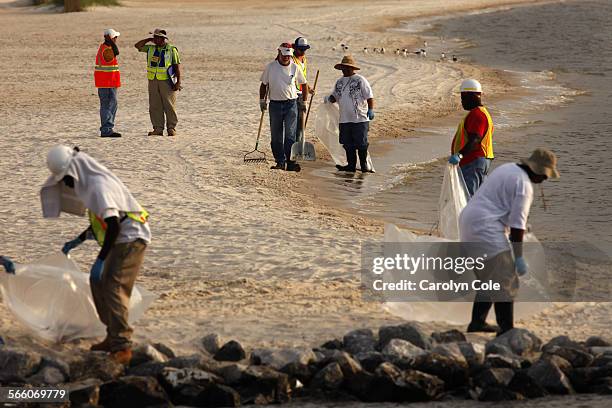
(58, 160)
(471, 85)
(111, 33)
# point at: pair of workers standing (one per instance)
(163, 74)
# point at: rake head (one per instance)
(255, 156)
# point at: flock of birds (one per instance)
(421, 52)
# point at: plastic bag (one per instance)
(328, 131)
(453, 198)
(52, 298)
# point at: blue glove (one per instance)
(96, 270)
(68, 246)
(9, 266)
(371, 114)
(454, 159)
(521, 266)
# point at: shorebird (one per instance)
(397, 51)
(423, 52)
(405, 52)
(454, 58)
(382, 50)
(424, 44)
(443, 56)
(365, 50)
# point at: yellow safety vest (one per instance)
(157, 72)
(303, 67)
(486, 144)
(98, 226)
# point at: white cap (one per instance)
(471, 85)
(111, 33)
(58, 160)
(286, 49)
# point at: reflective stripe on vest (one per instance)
(486, 144)
(106, 74)
(98, 226)
(158, 72)
(304, 67)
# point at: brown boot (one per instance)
(104, 345)
(156, 133)
(171, 132)
(122, 356)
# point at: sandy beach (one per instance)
(237, 250)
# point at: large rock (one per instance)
(329, 378)
(279, 358)
(583, 379)
(453, 372)
(520, 341)
(562, 341)
(596, 341)
(95, 365)
(47, 376)
(61, 365)
(334, 344)
(499, 361)
(132, 391)
(494, 377)
(451, 336)
(359, 341)
(165, 350)
(551, 377)
(147, 369)
(15, 365)
(231, 372)
(577, 357)
(409, 331)
(349, 366)
(525, 385)
(263, 385)
(560, 362)
(401, 352)
(371, 360)
(212, 343)
(231, 351)
(474, 354)
(86, 392)
(602, 360)
(172, 378)
(146, 353)
(451, 350)
(601, 350)
(217, 395)
(191, 361)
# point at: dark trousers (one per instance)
(504, 314)
(283, 124)
(108, 109)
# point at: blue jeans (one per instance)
(474, 173)
(108, 109)
(283, 126)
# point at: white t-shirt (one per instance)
(352, 94)
(129, 230)
(282, 80)
(502, 202)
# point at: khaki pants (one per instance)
(162, 100)
(112, 294)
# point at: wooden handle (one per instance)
(314, 88)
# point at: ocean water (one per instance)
(561, 56)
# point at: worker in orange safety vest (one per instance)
(107, 79)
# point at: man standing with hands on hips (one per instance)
(279, 81)
(107, 79)
(164, 75)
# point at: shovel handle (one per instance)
(314, 88)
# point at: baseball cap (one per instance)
(158, 32)
(301, 43)
(111, 33)
(286, 49)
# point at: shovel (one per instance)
(303, 150)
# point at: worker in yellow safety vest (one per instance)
(118, 223)
(472, 146)
(300, 46)
(164, 75)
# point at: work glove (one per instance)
(9, 266)
(454, 159)
(96, 271)
(70, 245)
(263, 105)
(302, 106)
(521, 266)
(371, 114)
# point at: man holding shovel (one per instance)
(300, 46)
(356, 101)
(280, 81)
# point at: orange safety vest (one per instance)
(486, 144)
(106, 74)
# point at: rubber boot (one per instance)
(351, 158)
(363, 160)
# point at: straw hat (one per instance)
(542, 162)
(347, 61)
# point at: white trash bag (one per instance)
(453, 198)
(328, 131)
(52, 297)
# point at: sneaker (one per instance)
(482, 328)
(293, 167)
(104, 345)
(156, 133)
(346, 168)
(278, 166)
(114, 134)
(122, 356)
(171, 132)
